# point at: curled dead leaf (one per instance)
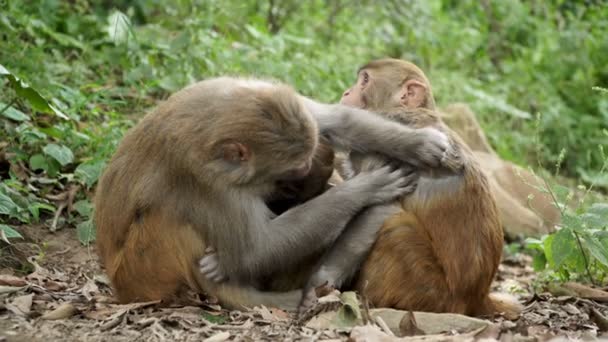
(65, 310)
(219, 337)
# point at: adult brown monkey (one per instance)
(196, 172)
(525, 209)
(441, 250)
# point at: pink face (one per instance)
(353, 97)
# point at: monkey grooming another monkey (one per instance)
(196, 172)
(440, 250)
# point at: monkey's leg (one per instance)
(156, 259)
(343, 259)
(516, 218)
(402, 271)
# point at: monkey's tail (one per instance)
(502, 303)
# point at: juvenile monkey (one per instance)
(196, 172)
(440, 250)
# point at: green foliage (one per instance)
(75, 75)
(579, 248)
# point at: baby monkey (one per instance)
(438, 249)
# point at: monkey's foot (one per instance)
(210, 267)
(311, 296)
(329, 301)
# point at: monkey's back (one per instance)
(442, 251)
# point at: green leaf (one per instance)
(564, 247)
(539, 262)
(561, 192)
(38, 162)
(86, 232)
(217, 319)
(34, 209)
(89, 172)
(118, 27)
(9, 233)
(599, 209)
(30, 94)
(12, 113)
(7, 206)
(60, 153)
(595, 248)
(534, 244)
(84, 208)
(593, 221)
(349, 314)
(572, 221)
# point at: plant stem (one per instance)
(580, 246)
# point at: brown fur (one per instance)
(153, 198)
(441, 253)
(510, 184)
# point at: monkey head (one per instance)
(256, 132)
(387, 84)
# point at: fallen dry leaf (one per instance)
(587, 292)
(9, 289)
(10, 280)
(65, 310)
(431, 323)
(219, 337)
(21, 305)
(52, 285)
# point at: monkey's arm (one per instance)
(270, 245)
(343, 259)
(363, 131)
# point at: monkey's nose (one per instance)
(346, 93)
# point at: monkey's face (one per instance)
(353, 96)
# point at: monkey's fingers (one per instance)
(432, 145)
(210, 267)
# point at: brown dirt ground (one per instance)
(62, 274)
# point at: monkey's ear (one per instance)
(234, 152)
(413, 94)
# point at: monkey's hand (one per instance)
(210, 266)
(385, 184)
(426, 147)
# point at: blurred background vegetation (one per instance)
(74, 75)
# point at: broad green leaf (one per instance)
(38, 162)
(31, 95)
(593, 221)
(12, 113)
(84, 208)
(60, 153)
(599, 209)
(118, 27)
(563, 247)
(572, 221)
(7, 206)
(9, 233)
(86, 232)
(89, 172)
(595, 248)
